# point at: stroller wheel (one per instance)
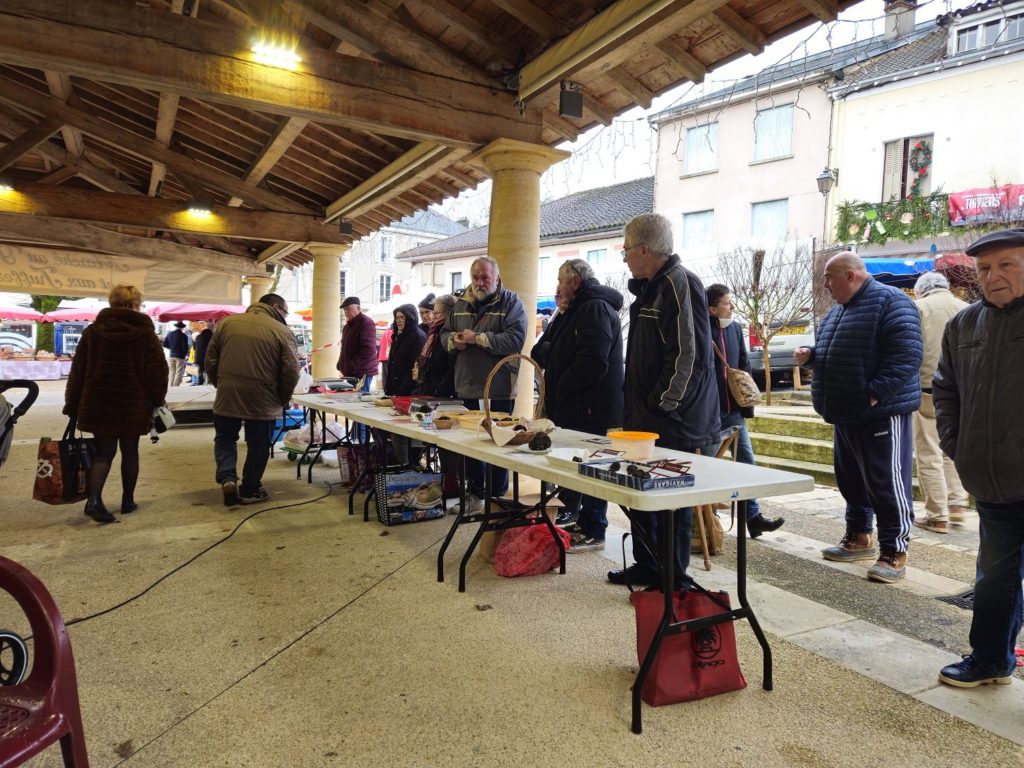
(13, 658)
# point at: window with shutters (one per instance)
(437, 278)
(385, 249)
(897, 175)
(383, 288)
(697, 228)
(773, 133)
(456, 281)
(700, 155)
(769, 220)
(342, 282)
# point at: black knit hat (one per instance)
(428, 302)
(350, 300)
(1002, 239)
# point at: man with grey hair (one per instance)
(977, 390)
(866, 384)
(487, 323)
(670, 384)
(944, 497)
(581, 354)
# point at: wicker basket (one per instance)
(508, 435)
(445, 421)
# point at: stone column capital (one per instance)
(328, 249)
(510, 155)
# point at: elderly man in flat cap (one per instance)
(358, 356)
(977, 390)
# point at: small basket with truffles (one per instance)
(517, 431)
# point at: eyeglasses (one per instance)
(626, 250)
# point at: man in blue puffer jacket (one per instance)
(866, 357)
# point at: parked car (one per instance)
(781, 348)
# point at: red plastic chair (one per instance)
(44, 708)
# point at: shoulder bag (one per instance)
(742, 386)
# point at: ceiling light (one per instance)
(275, 54)
(199, 206)
(6, 184)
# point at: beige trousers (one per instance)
(939, 481)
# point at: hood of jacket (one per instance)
(122, 325)
(592, 290)
(412, 318)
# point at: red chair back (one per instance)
(44, 708)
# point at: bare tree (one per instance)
(770, 291)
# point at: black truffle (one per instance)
(540, 442)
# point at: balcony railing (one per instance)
(910, 219)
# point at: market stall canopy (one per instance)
(21, 313)
(71, 315)
(157, 131)
(167, 312)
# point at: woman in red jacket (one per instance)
(118, 376)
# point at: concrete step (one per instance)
(823, 474)
(789, 446)
(795, 425)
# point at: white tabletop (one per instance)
(36, 370)
(715, 479)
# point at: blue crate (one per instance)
(293, 418)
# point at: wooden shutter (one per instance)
(892, 173)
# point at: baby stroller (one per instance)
(13, 653)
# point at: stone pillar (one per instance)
(259, 285)
(514, 234)
(326, 309)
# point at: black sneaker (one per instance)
(760, 524)
(230, 491)
(566, 517)
(260, 494)
(634, 575)
(580, 542)
(966, 674)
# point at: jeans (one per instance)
(593, 518)
(997, 590)
(744, 451)
(650, 525)
(475, 469)
(258, 435)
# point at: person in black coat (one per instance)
(435, 368)
(583, 374)
(727, 338)
(426, 310)
(406, 343)
(199, 345)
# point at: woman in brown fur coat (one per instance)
(118, 376)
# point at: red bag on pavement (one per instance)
(691, 664)
(528, 551)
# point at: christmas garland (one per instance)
(920, 161)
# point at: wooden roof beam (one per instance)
(824, 10)
(287, 131)
(739, 30)
(191, 57)
(341, 17)
(86, 236)
(145, 148)
(59, 176)
(590, 42)
(60, 156)
(155, 213)
(634, 90)
(28, 141)
(495, 44)
(540, 21)
(275, 253)
(421, 162)
(689, 64)
(560, 125)
(60, 87)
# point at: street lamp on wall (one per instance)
(826, 179)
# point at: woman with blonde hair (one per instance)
(118, 376)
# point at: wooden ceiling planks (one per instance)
(253, 155)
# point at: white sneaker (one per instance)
(473, 505)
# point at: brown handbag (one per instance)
(742, 386)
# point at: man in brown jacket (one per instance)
(253, 363)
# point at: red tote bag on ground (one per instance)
(689, 665)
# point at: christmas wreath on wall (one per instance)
(920, 161)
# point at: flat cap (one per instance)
(427, 302)
(350, 300)
(1004, 238)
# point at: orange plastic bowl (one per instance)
(636, 446)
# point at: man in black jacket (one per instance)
(582, 359)
(727, 337)
(670, 376)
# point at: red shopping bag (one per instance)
(528, 551)
(692, 664)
